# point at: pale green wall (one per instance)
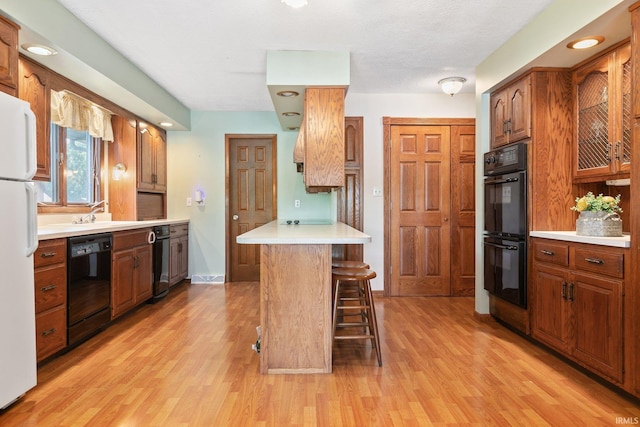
(196, 160)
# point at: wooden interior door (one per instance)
(251, 195)
(463, 210)
(420, 209)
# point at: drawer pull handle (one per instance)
(48, 288)
(564, 290)
(48, 332)
(594, 261)
(48, 254)
(546, 252)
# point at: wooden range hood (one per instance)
(308, 90)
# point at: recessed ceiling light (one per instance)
(39, 49)
(585, 42)
(293, 128)
(287, 93)
(166, 124)
(290, 113)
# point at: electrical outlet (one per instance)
(188, 201)
(296, 203)
(377, 192)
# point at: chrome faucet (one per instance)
(90, 217)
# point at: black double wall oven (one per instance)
(505, 223)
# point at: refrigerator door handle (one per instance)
(32, 219)
(30, 123)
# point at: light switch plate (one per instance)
(188, 201)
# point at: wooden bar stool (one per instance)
(349, 304)
(338, 263)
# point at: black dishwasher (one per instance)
(160, 262)
(88, 285)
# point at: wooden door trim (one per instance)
(274, 193)
(387, 122)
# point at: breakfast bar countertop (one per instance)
(570, 236)
(279, 232)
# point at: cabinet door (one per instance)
(519, 109)
(549, 317)
(8, 56)
(622, 144)
(174, 261)
(143, 273)
(596, 306)
(34, 88)
(593, 93)
(499, 135)
(146, 170)
(160, 164)
(184, 257)
(122, 290)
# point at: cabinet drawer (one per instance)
(51, 332)
(178, 230)
(601, 262)
(551, 252)
(130, 239)
(50, 287)
(50, 252)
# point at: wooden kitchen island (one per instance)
(295, 293)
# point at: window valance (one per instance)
(72, 111)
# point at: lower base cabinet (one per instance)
(178, 253)
(131, 270)
(50, 280)
(577, 303)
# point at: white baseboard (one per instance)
(207, 279)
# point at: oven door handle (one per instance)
(507, 247)
(501, 181)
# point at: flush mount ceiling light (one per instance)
(39, 49)
(295, 3)
(287, 93)
(452, 85)
(290, 113)
(585, 42)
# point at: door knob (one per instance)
(235, 217)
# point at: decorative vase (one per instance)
(600, 224)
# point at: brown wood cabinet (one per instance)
(50, 297)
(152, 158)
(131, 270)
(577, 305)
(322, 138)
(178, 253)
(126, 200)
(8, 56)
(511, 113)
(35, 89)
(602, 148)
(350, 197)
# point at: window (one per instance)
(75, 169)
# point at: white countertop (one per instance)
(303, 234)
(55, 231)
(571, 236)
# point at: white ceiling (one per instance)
(211, 54)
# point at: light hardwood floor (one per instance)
(187, 361)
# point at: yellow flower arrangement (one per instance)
(598, 203)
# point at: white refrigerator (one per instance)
(18, 242)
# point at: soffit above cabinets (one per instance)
(295, 70)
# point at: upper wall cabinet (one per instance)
(511, 113)
(323, 137)
(152, 159)
(603, 117)
(8, 57)
(35, 89)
